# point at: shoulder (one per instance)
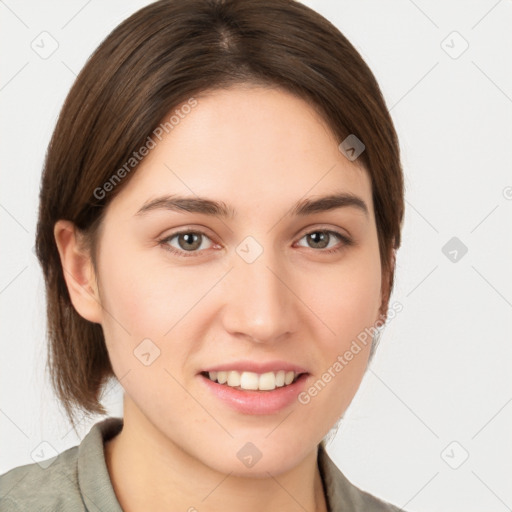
(48, 485)
(342, 495)
(68, 482)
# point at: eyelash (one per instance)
(164, 242)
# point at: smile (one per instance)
(253, 381)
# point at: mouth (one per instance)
(252, 381)
(255, 389)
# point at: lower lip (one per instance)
(257, 402)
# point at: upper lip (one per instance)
(256, 367)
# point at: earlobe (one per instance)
(78, 271)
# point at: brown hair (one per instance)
(158, 58)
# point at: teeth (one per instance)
(254, 381)
(234, 379)
(266, 381)
(288, 378)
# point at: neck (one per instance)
(152, 473)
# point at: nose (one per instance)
(259, 301)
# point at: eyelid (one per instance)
(192, 228)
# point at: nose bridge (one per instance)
(259, 304)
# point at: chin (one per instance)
(261, 456)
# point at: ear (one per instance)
(387, 284)
(78, 271)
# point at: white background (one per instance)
(442, 371)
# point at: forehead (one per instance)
(251, 147)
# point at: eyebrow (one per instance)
(221, 209)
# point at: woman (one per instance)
(220, 208)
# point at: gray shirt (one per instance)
(78, 480)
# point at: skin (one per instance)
(260, 150)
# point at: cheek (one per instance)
(348, 297)
(348, 301)
(147, 297)
(152, 300)
(146, 308)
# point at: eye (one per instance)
(321, 238)
(187, 242)
(191, 243)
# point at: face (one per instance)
(257, 296)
